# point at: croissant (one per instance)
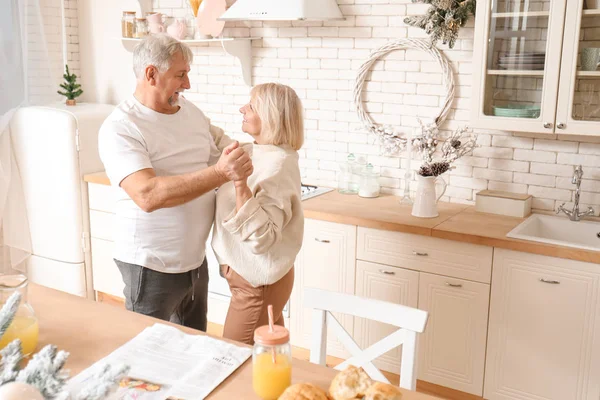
(351, 383)
(303, 391)
(383, 391)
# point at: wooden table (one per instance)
(90, 331)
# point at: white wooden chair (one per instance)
(410, 321)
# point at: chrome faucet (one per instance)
(575, 214)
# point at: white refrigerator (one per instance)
(54, 147)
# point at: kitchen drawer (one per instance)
(444, 257)
(107, 277)
(101, 224)
(102, 197)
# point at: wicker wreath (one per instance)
(392, 141)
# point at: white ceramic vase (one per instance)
(426, 199)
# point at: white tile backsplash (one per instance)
(320, 60)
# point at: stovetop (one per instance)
(310, 191)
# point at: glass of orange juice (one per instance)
(25, 324)
(271, 361)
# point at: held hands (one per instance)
(234, 164)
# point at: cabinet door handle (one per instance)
(561, 125)
(417, 253)
(383, 271)
(552, 282)
(454, 284)
(321, 240)
(548, 125)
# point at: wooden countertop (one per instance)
(97, 177)
(456, 222)
(90, 331)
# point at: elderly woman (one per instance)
(259, 221)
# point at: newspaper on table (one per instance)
(169, 364)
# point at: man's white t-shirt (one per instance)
(135, 137)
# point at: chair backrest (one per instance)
(410, 321)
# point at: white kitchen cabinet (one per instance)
(452, 348)
(326, 261)
(391, 284)
(448, 279)
(528, 73)
(107, 277)
(544, 329)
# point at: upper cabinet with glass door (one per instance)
(524, 80)
(578, 111)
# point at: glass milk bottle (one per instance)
(271, 360)
(347, 182)
(25, 324)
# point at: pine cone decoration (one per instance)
(425, 170)
(445, 4)
(434, 169)
(438, 168)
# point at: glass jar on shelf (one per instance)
(271, 360)
(348, 180)
(24, 326)
(369, 183)
(128, 24)
(141, 28)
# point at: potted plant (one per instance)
(72, 89)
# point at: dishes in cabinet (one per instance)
(522, 61)
(517, 111)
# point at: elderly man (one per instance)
(162, 152)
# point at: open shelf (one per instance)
(197, 41)
(595, 11)
(588, 74)
(522, 14)
(241, 48)
(515, 72)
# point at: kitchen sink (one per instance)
(560, 231)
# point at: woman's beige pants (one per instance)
(248, 307)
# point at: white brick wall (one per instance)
(45, 77)
(320, 59)
(72, 33)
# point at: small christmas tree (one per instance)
(71, 87)
(443, 19)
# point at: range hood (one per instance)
(283, 10)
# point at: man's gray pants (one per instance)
(179, 298)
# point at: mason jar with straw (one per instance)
(271, 360)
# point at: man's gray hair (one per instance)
(158, 50)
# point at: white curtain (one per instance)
(31, 62)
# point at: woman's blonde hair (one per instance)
(280, 113)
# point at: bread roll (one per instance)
(351, 383)
(303, 391)
(383, 391)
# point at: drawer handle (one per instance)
(321, 240)
(417, 253)
(550, 281)
(383, 271)
(454, 284)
